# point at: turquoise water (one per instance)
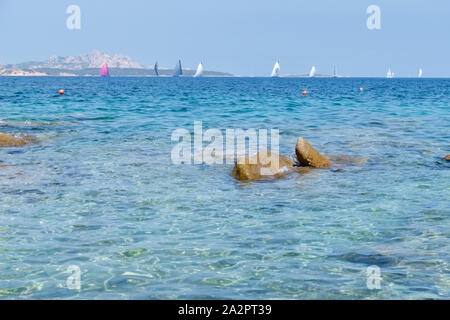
(99, 191)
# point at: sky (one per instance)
(244, 37)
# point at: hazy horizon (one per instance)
(241, 38)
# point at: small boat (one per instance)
(312, 73)
(155, 68)
(420, 73)
(389, 74)
(334, 72)
(199, 71)
(104, 72)
(177, 71)
(276, 70)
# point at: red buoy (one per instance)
(61, 91)
(305, 93)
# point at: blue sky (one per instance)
(238, 36)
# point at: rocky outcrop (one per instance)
(263, 165)
(308, 156)
(9, 140)
(446, 158)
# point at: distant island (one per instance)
(90, 65)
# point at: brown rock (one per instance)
(446, 158)
(308, 156)
(8, 140)
(262, 165)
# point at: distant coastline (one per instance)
(90, 65)
(119, 65)
(307, 76)
(93, 72)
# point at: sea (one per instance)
(97, 208)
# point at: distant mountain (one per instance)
(93, 60)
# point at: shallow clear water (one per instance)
(99, 191)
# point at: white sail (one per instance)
(312, 73)
(199, 71)
(420, 73)
(389, 74)
(276, 70)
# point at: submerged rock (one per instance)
(347, 159)
(370, 256)
(308, 156)
(9, 140)
(33, 124)
(446, 158)
(262, 165)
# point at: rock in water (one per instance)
(8, 140)
(262, 165)
(308, 156)
(446, 158)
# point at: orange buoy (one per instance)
(61, 91)
(361, 89)
(305, 93)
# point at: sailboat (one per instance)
(199, 71)
(334, 72)
(104, 72)
(276, 70)
(177, 71)
(389, 74)
(420, 73)
(156, 69)
(312, 73)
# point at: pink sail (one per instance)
(104, 72)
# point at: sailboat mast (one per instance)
(178, 71)
(104, 72)
(156, 69)
(199, 70)
(276, 69)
